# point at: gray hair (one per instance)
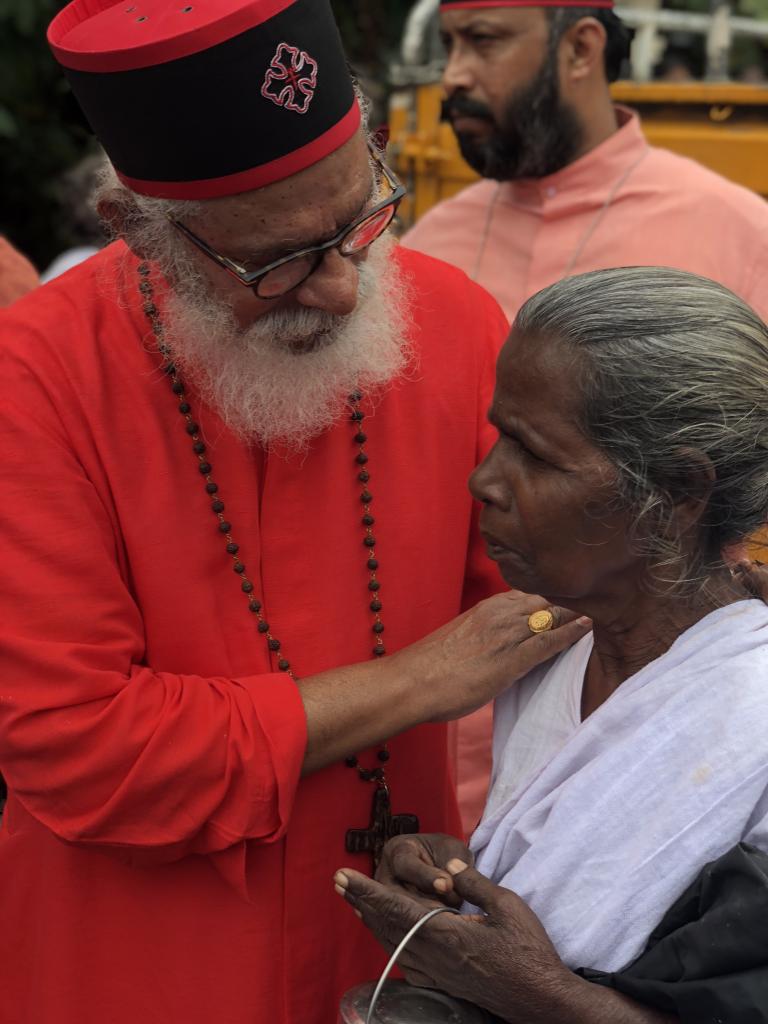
(670, 362)
(145, 222)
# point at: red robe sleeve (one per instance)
(95, 744)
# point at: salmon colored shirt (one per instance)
(625, 203)
(668, 211)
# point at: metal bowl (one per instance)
(401, 1003)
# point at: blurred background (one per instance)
(44, 139)
(706, 60)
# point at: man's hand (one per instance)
(472, 659)
(501, 959)
(417, 864)
(448, 674)
(753, 576)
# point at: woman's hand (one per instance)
(501, 959)
(753, 576)
(417, 864)
(472, 659)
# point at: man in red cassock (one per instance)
(235, 459)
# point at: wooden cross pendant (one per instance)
(384, 825)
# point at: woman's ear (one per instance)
(690, 486)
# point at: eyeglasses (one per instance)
(282, 276)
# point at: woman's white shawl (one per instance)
(666, 775)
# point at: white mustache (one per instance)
(286, 378)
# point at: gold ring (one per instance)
(541, 621)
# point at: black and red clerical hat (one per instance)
(194, 99)
(448, 5)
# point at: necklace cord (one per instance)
(486, 232)
(596, 221)
(255, 604)
(393, 959)
(585, 238)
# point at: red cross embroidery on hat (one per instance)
(291, 79)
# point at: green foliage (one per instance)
(41, 130)
(755, 8)
(371, 29)
(42, 133)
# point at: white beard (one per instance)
(288, 377)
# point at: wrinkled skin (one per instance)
(551, 521)
(500, 959)
(417, 864)
(471, 956)
(446, 675)
(753, 576)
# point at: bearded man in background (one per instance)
(570, 184)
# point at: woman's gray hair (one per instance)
(671, 364)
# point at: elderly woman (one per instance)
(627, 820)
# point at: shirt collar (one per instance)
(591, 174)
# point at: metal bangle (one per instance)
(393, 959)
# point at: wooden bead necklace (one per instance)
(384, 824)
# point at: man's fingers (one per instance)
(474, 887)
(410, 866)
(558, 639)
(389, 913)
(357, 887)
(753, 577)
(564, 615)
(414, 973)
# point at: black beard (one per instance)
(538, 133)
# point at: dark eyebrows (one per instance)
(513, 428)
(478, 25)
(481, 25)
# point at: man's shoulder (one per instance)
(442, 295)
(67, 299)
(693, 182)
(428, 274)
(72, 326)
(461, 209)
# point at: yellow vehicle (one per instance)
(722, 125)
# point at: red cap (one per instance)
(447, 5)
(193, 99)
